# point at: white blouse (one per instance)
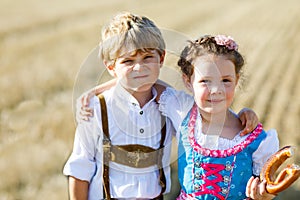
(176, 104)
(128, 124)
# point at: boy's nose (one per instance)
(136, 67)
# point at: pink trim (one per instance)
(218, 153)
(185, 196)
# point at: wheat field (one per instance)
(43, 45)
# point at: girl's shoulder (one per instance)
(175, 100)
(271, 138)
(171, 94)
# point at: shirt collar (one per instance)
(125, 98)
(125, 110)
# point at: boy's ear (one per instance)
(110, 68)
(162, 58)
(187, 82)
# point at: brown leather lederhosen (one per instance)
(133, 155)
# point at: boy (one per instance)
(133, 51)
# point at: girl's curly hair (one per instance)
(219, 45)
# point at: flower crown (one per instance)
(226, 41)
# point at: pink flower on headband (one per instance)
(227, 41)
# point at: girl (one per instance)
(214, 160)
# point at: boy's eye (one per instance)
(127, 62)
(148, 56)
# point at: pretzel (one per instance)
(286, 177)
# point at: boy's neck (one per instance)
(142, 97)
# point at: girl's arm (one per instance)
(85, 97)
(78, 189)
(83, 111)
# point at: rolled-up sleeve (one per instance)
(268, 146)
(82, 162)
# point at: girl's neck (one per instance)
(224, 124)
(214, 119)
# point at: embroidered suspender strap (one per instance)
(134, 155)
(106, 148)
(160, 157)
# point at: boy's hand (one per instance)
(160, 86)
(257, 190)
(249, 119)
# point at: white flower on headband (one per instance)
(227, 41)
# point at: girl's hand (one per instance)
(257, 190)
(83, 111)
(249, 119)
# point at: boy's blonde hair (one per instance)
(128, 32)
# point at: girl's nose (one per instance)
(216, 89)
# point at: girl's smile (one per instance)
(213, 83)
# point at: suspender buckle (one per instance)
(106, 143)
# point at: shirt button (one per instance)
(141, 130)
(141, 112)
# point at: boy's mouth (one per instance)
(140, 76)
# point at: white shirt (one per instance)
(176, 104)
(128, 124)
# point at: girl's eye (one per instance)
(204, 81)
(227, 80)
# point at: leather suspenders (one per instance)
(106, 148)
(131, 155)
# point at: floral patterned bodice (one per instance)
(214, 174)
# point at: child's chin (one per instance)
(144, 88)
(214, 110)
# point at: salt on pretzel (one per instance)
(285, 177)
